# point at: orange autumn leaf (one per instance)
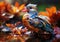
(14, 9)
(44, 14)
(9, 9)
(2, 4)
(21, 7)
(8, 25)
(52, 13)
(53, 8)
(49, 11)
(17, 4)
(18, 32)
(8, 6)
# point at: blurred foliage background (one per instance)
(42, 4)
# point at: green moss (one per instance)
(42, 7)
